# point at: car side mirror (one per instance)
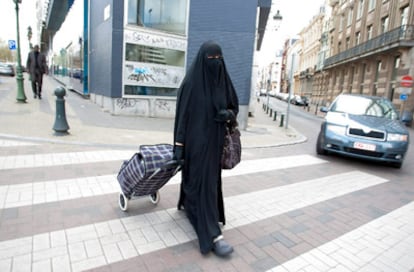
(407, 117)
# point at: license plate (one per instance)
(364, 146)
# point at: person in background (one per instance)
(206, 104)
(36, 67)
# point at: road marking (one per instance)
(93, 245)
(50, 191)
(384, 244)
(54, 159)
(8, 143)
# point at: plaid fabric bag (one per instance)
(148, 170)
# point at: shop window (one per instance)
(165, 15)
(377, 72)
(147, 90)
(151, 54)
(395, 68)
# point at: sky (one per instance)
(27, 17)
(296, 15)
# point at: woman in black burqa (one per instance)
(206, 103)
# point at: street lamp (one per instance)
(21, 97)
(277, 18)
(290, 90)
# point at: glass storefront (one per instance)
(154, 47)
(67, 55)
(164, 15)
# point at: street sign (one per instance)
(404, 90)
(12, 44)
(406, 81)
(403, 97)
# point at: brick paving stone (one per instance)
(283, 239)
(298, 228)
(256, 247)
(264, 264)
(265, 240)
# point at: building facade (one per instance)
(310, 38)
(371, 48)
(136, 52)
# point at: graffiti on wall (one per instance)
(146, 74)
(123, 103)
(139, 37)
(163, 106)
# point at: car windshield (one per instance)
(360, 105)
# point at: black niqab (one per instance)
(205, 90)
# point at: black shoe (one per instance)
(34, 96)
(40, 97)
(222, 249)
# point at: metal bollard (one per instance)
(275, 116)
(282, 117)
(61, 125)
(271, 112)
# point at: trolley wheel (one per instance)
(155, 197)
(123, 202)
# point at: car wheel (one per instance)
(319, 146)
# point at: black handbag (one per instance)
(232, 148)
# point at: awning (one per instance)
(56, 13)
(264, 10)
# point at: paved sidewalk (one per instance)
(287, 209)
(90, 125)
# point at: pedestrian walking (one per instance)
(36, 65)
(206, 103)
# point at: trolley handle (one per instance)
(168, 165)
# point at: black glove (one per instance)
(224, 116)
(179, 154)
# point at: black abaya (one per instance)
(206, 89)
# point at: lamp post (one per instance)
(277, 18)
(21, 97)
(290, 90)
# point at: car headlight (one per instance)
(393, 137)
(336, 129)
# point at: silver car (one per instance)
(365, 127)
(6, 69)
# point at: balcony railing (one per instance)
(395, 37)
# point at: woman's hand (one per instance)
(179, 153)
(224, 116)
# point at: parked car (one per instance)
(280, 96)
(272, 93)
(365, 127)
(305, 100)
(6, 69)
(297, 100)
